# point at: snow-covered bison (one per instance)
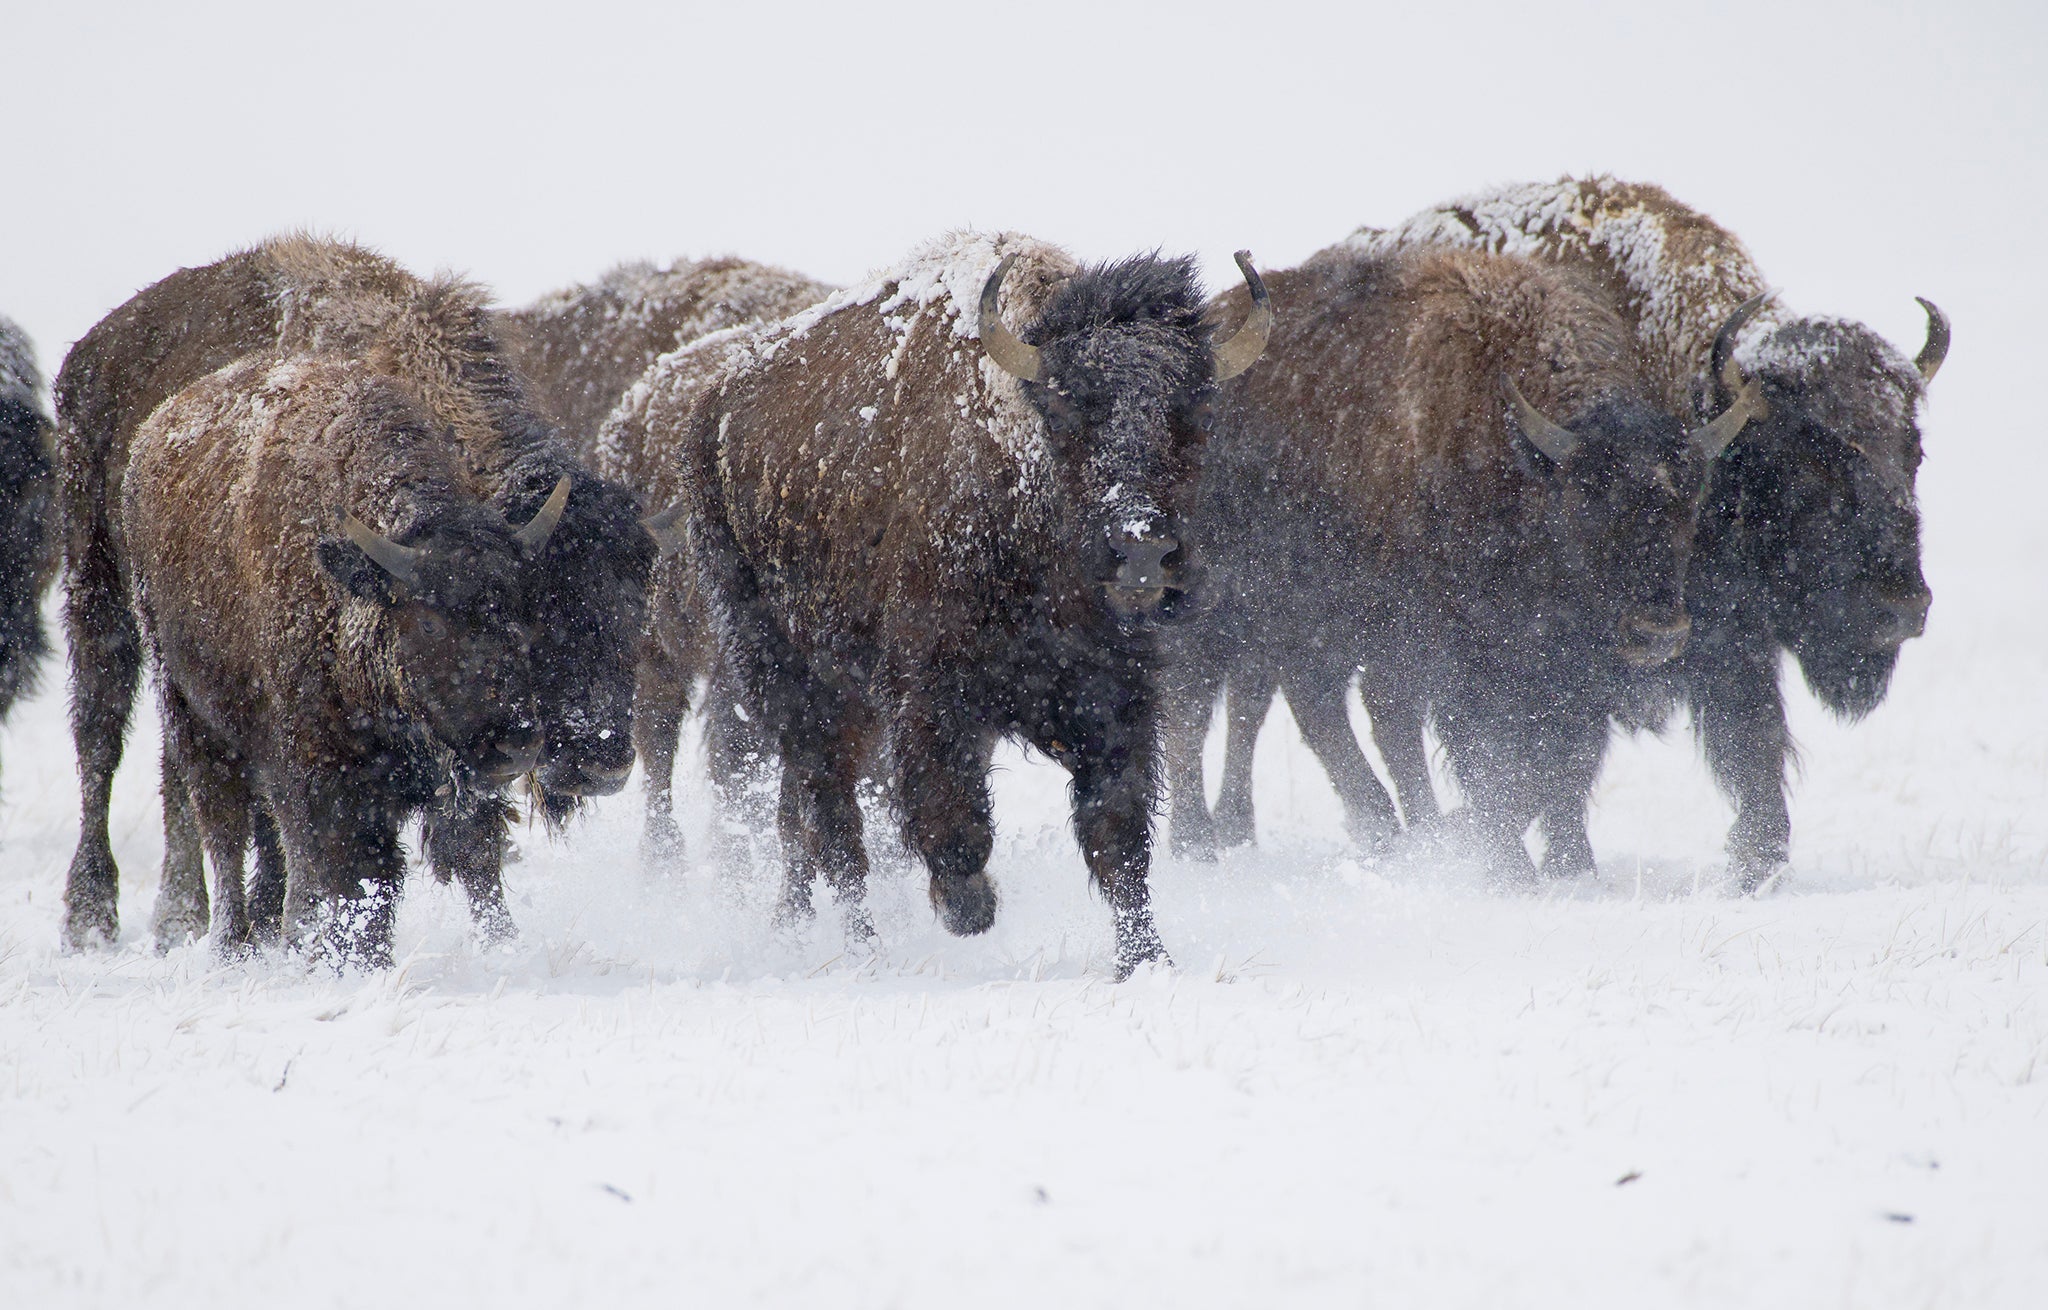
(333, 622)
(916, 543)
(25, 515)
(585, 601)
(584, 351)
(1810, 534)
(1452, 471)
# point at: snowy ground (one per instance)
(1358, 1087)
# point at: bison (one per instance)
(1810, 535)
(915, 544)
(583, 351)
(25, 536)
(1393, 490)
(434, 339)
(333, 621)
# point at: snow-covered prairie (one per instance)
(1360, 1086)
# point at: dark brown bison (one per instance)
(333, 621)
(916, 543)
(1388, 491)
(433, 338)
(25, 516)
(1810, 535)
(584, 351)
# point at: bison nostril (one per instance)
(1909, 613)
(1142, 557)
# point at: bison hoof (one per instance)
(661, 845)
(966, 905)
(1758, 877)
(1138, 946)
(178, 927)
(1235, 826)
(91, 928)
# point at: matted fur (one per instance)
(1810, 540)
(905, 549)
(1368, 499)
(285, 688)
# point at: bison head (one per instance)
(1120, 365)
(1622, 486)
(586, 601)
(450, 594)
(1822, 491)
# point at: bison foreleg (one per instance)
(466, 840)
(821, 821)
(182, 911)
(942, 759)
(266, 888)
(1739, 714)
(661, 697)
(1397, 716)
(343, 869)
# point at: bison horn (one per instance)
(1011, 355)
(662, 527)
(542, 525)
(1559, 443)
(1243, 347)
(1724, 340)
(1710, 439)
(401, 562)
(1936, 349)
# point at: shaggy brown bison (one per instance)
(433, 338)
(333, 621)
(1392, 490)
(916, 543)
(25, 556)
(1810, 535)
(583, 350)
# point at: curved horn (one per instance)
(1242, 348)
(1011, 355)
(1724, 340)
(662, 527)
(1559, 443)
(1936, 349)
(542, 525)
(1710, 439)
(401, 562)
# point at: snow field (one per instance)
(1377, 1085)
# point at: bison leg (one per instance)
(466, 840)
(941, 760)
(343, 869)
(1740, 717)
(182, 912)
(1397, 723)
(1567, 767)
(1492, 755)
(1249, 699)
(1185, 710)
(738, 760)
(106, 659)
(821, 827)
(661, 697)
(266, 888)
(1317, 696)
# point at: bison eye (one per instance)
(432, 626)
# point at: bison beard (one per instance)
(911, 556)
(317, 690)
(1384, 495)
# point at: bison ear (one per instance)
(354, 572)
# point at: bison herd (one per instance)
(1530, 465)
